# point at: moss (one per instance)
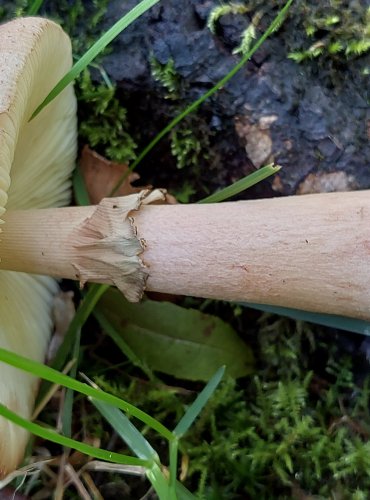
(222, 10)
(333, 32)
(337, 32)
(286, 429)
(189, 147)
(167, 76)
(103, 121)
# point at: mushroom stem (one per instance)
(309, 252)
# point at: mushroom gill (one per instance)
(36, 161)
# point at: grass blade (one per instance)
(79, 188)
(242, 184)
(84, 310)
(198, 405)
(95, 50)
(34, 7)
(69, 396)
(139, 445)
(159, 482)
(183, 493)
(340, 322)
(54, 376)
(174, 453)
(53, 436)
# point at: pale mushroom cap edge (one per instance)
(36, 161)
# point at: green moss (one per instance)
(185, 193)
(189, 147)
(287, 432)
(103, 121)
(285, 429)
(222, 10)
(190, 140)
(335, 31)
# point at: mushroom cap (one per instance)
(36, 161)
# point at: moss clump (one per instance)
(190, 140)
(286, 433)
(103, 121)
(335, 31)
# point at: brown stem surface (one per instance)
(309, 252)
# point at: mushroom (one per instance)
(36, 160)
(309, 252)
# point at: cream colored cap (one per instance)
(36, 161)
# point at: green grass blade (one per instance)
(84, 310)
(34, 7)
(67, 414)
(198, 405)
(340, 322)
(53, 436)
(54, 376)
(159, 482)
(126, 430)
(183, 493)
(79, 188)
(95, 50)
(273, 26)
(174, 452)
(241, 185)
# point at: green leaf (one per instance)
(181, 342)
(122, 345)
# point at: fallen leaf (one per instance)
(102, 175)
(185, 343)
